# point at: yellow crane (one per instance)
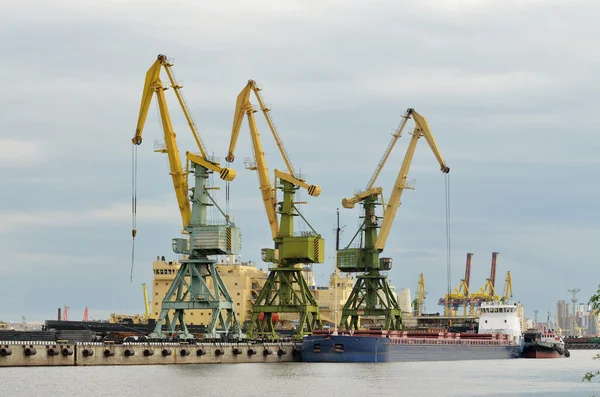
(418, 302)
(371, 296)
(461, 294)
(487, 293)
(508, 293)
(285, 290)
(190, 290)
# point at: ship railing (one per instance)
(432, 341)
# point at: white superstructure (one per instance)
(500, 318)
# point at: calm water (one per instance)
(521, 377)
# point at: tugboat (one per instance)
(545, 344)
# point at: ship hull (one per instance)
(535, 350)
(345, 348)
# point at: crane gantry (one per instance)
(371, 295)
(190, 288)
(285, 290)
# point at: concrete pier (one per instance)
(27, 354)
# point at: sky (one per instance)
(509, 89)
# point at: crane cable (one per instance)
(133, 205)
(448, 266)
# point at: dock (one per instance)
(37, 354)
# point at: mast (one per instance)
(336, 273)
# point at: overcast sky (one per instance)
(510, 90)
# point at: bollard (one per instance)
(108, 353)
(30, 351)
(52, 352)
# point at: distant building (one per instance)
(562, 315)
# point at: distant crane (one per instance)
(418, 302)
(461, 295)
(574, 292)
(535, 313)
(487, 293)
(508, 293)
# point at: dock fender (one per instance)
(108, 353)
(295, 352)
(30, 351)
(267, 352)
(166, 352)
(5, 351)
(148, 352)
(129, 352)
(236, 351)
(67, 351)
(567, 354)
(200, 352)
(184, 352)
(281, 352)
(218, 352)
(251, 351)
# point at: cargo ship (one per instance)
(544, 345)
(499, 336)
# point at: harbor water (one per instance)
(489, 378)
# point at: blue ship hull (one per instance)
(370, 349)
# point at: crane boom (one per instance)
(421, 129)
(388, 151)
(243, 101)
(154, 85)
(243, 107)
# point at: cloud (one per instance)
(509, 89)
(19, 153)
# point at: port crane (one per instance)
(418, 302)
(285, 290)
(461, 294)
(487, 293)
(371, 295)
(190, 289)
(507, 289)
